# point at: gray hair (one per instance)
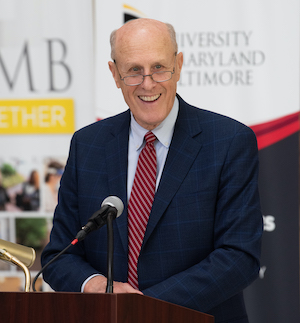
(171, 31)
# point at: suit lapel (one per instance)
(116, 161)
(184, 148)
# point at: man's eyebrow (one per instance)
(129, 65)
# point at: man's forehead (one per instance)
(154, 48)
(145, 59)
(149, 32)
(149, 59)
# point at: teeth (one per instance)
(150, 98)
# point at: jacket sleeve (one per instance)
(71, 269)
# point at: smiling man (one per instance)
(191, 227)
(144, 47)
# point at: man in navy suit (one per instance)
(202, 242)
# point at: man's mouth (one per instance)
(149, 98)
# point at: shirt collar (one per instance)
(163, 132)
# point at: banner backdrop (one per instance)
(241, 59)
(46, 93)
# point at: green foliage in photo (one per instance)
(31, 232)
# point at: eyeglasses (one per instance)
(137, 79)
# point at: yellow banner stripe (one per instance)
(37, 116)
(128, 7)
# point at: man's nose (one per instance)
(148, 81)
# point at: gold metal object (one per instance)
(25, 254)
(20, 256)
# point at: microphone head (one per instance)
(24, 254)
(116, 202)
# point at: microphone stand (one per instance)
(5, 255)
(110, 252)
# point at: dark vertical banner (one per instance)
(274, 297)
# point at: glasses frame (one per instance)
(151, 75)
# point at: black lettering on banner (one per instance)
(23, 57)
(58, 63)
(60, 76)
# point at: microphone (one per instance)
(20, 256)
(25, 254)
(112, 206)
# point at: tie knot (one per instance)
(150, 137)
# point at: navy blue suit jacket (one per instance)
(202, 242)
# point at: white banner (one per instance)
(241, 57)
(46, 93)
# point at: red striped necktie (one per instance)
(140, 204)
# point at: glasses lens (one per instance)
(161, 76)
(139, 78)
(133, 79)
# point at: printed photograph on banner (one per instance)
(19, 184)
(53, 170)
(32, 232)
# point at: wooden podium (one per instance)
(90, 308)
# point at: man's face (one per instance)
(145, 51)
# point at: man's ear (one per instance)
(115, 73)
(179, 60)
